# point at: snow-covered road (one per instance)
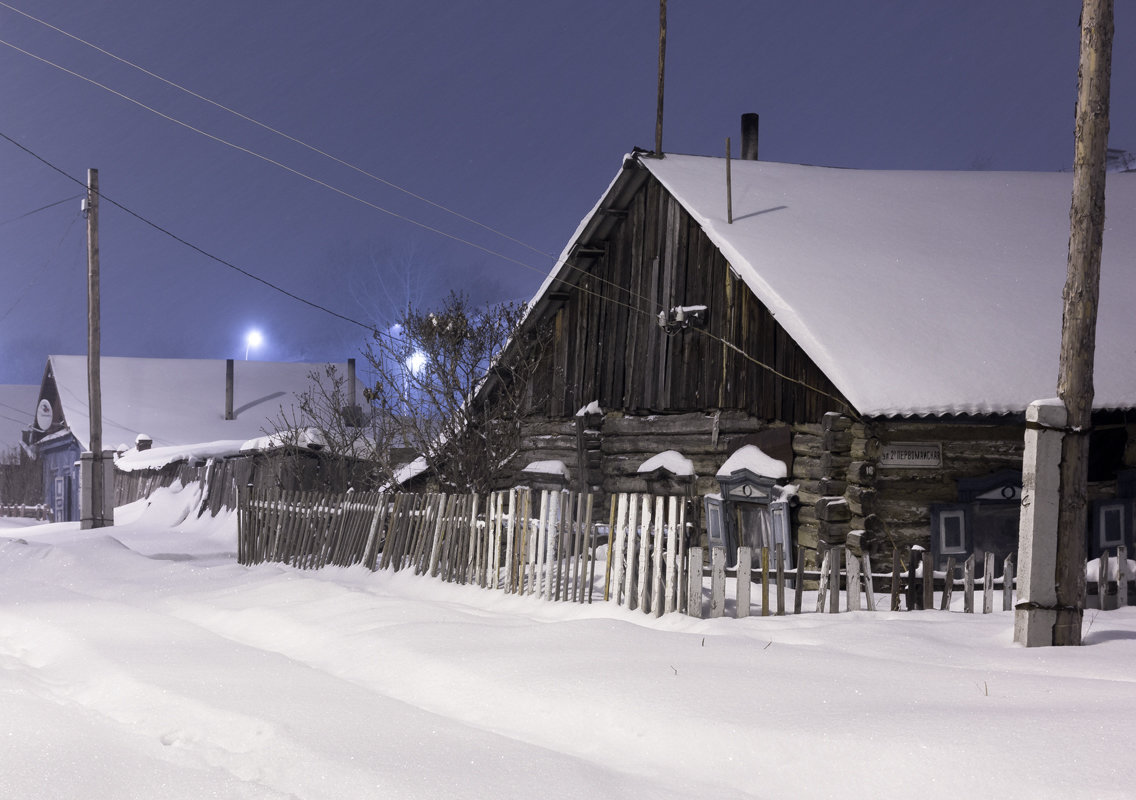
(143, 662)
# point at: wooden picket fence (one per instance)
(521, 541)
(543, 543)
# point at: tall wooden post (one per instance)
(97, 515)
(1078, 334)
(662, 65)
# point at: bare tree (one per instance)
(334, 443)
(21, 480)
(456, 384)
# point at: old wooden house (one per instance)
(879, 332)
(181, 412)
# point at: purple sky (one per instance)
(515, 114)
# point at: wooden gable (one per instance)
(609, 346)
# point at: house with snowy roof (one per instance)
(880, 333)
(157, 411)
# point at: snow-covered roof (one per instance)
(17, 411)
(917, 292)
(178, 401)
(671, 460)
(754, 459)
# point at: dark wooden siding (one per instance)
(609, 346)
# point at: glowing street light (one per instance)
(416, 362)
(252, 340)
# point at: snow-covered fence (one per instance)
(307, 529)
(519, 541)
(842, 572)
(647, 553)
(1114, 590)
(38, 511)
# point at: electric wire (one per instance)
(541, 271)
(372, 329)
(433, 229)
(41, 208)
(282, 134)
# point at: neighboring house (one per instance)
(183, 408)
(880, 332)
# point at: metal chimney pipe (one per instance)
(228, 388)
(351, 382)
(749, 137)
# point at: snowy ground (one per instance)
(143, 662)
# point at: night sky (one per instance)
(513, 114)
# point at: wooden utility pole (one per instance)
(662, 70)
(97, 513)
(1078, 333)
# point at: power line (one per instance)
(319, 182)
(192, 246)
(279, 133)
(41, 208)
(560, 262)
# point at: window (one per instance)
(952, 532)
(1111, 522)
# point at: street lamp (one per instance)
(252, 340)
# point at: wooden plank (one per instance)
(852, 584)
(968, 585)
(641, 534)
(948, 585)
(744, 582)
(1008, 583)
(1121, 576)
(799, 583)
(681, 563)
(988, 583)
(895, 564)
(589, 549)
(765, 581)
(869, 585)
(779, 559)
(834, 580)
(542, 549)
(822, 583)
(717, 582)
(672, 555)
(612, 503)
(928, 581)
(914, 596)
(436, 539)
(694, 583)
(1107, 600)
(656, 603)
(619, 533)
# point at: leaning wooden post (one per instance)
(948, 585)
(1121, 576)
(968, 584)
(895, 565)
(1008, 584)
(822, 581)
(694, 582)
(717, 581)
(852, 586)
(779, 556)
(988, 583)
(799, 584)
(743, 583)
(928, 581)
